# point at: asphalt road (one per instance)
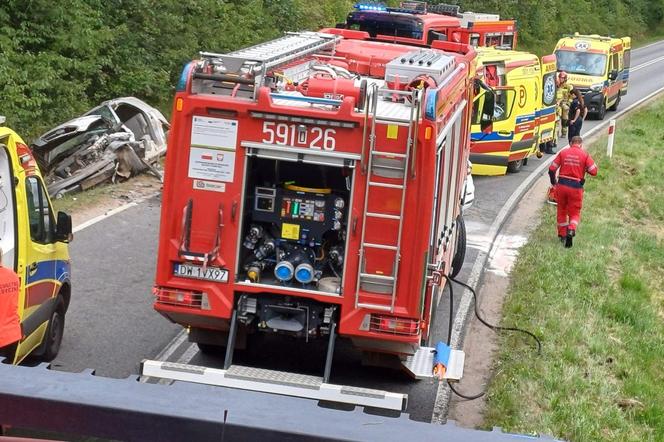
(111, 326)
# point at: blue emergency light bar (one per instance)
(405, 7)
(370, 7)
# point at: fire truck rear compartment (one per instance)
(294, 225)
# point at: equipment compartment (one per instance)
(294, 224)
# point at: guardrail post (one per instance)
(612, 133)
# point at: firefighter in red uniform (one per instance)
(573, 162)
(10, 323)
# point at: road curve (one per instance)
(111, 326)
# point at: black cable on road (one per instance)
(496, 328)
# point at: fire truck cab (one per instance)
(34, 245)
(525, 110)
(313, 188)
(597, 66)
(416, 23)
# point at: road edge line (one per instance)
(443, 393)
(120, 209)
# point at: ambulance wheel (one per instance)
(601, 113)
(514, 166)
(460, 252)
(54, 332)
(615, 105)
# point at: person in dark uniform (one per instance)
(577, 113)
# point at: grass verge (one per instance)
(598, 306)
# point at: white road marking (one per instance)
(112, 212)
(186, 358)
(170, 348)
(441, 404)
(646, 64)
(648, 45)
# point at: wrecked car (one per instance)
(116, 140)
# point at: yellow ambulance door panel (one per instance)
(40, 263)
(527, 96)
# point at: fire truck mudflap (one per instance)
(313, 188)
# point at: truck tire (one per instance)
(514, 166)
(601, 113)
(210, 349)
(615, 105)
(54, 332)
(460, 252)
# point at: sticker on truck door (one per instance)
(211, 164)
(212, 152)
(214, 132)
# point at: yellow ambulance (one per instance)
(525, 110)
(34, 244)
(597, 66)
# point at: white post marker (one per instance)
(612, 133)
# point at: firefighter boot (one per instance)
(569, 238)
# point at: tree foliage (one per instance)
(542, 22)
(61, 58)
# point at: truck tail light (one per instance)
(182, 298)
(394, 325)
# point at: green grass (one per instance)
(599, 306)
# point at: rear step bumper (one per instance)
(277, 382)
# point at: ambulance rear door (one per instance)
(546, 114)
(7, 208)
(626, 59)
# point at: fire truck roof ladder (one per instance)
(389, 165)
(258, 59)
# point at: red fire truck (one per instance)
(313, 188)
(416, 23)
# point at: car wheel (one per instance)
(54, 332)
(460, 252)
(514, 166)
(615, 105)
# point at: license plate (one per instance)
(197, 272)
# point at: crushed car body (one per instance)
(116, 140)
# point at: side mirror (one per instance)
(613, 75)
(63, 231)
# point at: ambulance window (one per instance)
(40, 216)
(504, 104)
(626, 59)
(615, 65)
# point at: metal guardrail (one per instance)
(124, 409)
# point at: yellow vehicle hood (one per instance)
(583, 81)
